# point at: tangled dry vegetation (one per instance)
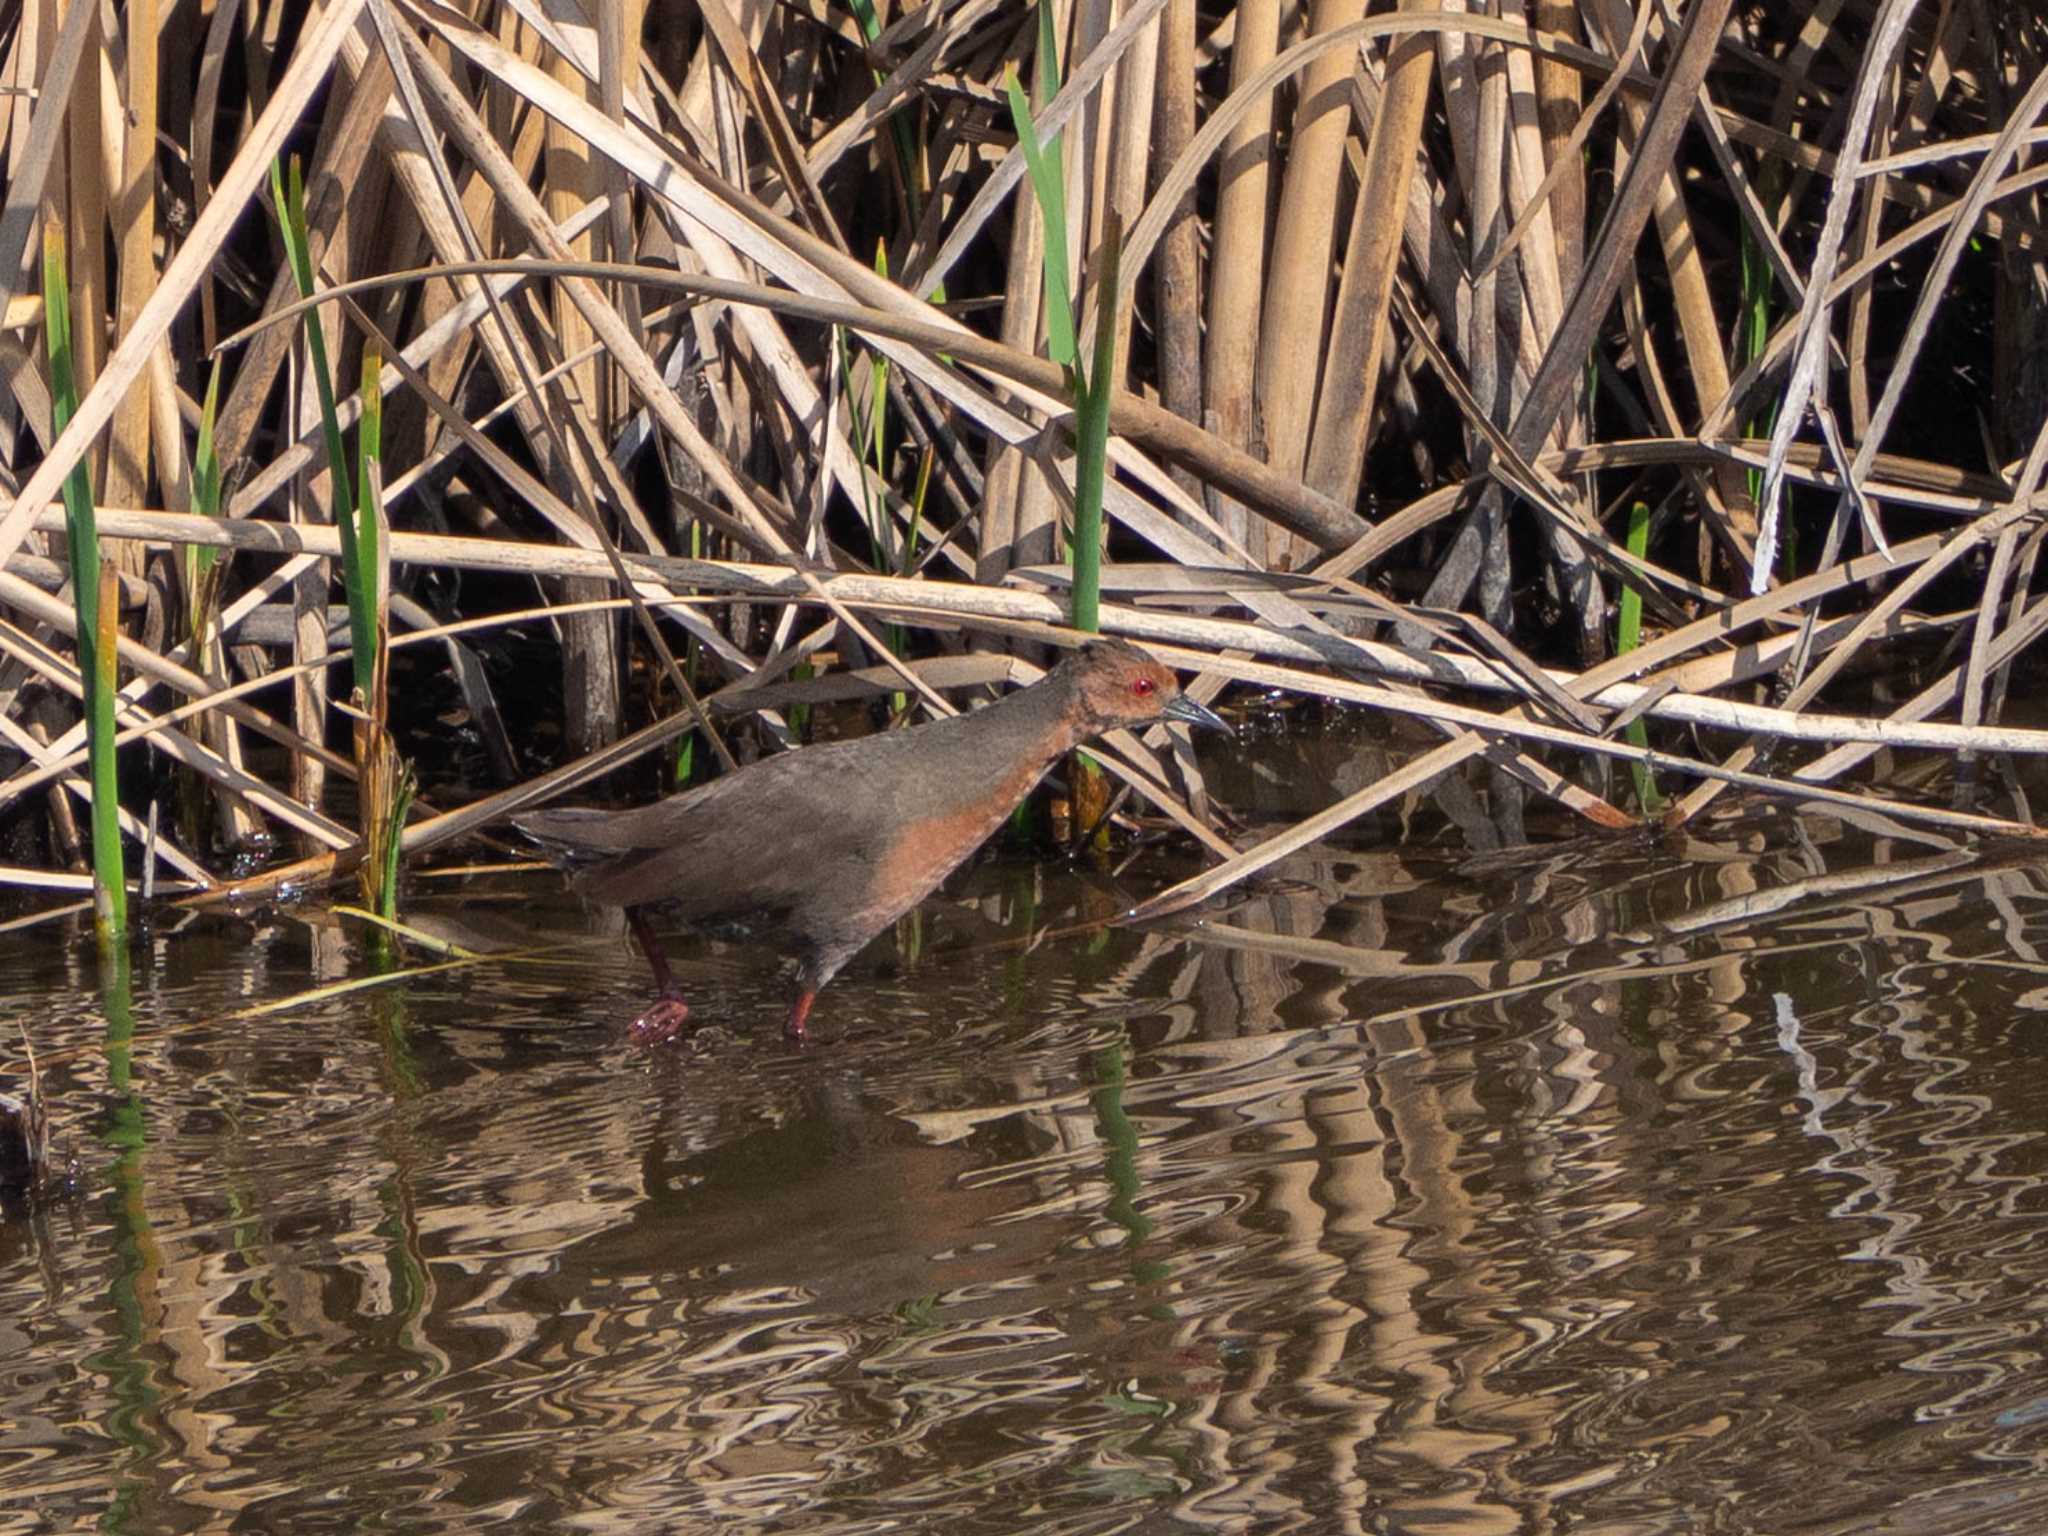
(710, 347)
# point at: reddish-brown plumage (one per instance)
(823, 848)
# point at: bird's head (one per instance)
(1119, 685)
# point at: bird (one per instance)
(822, 848)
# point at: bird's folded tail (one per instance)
(570, 839)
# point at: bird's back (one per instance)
(828, 838)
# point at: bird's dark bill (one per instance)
(1188, 712)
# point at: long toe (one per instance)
(795, 1028)
(663, 1021)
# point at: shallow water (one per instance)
(1613, 1187)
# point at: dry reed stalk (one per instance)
(745, 156)
(591, 663)
(1335, 460)
(1604, 685)
(64, 754)
(1138, 421)
(1294, 314)
(134, 218)
(1983, 674)
(1179, 276)
(1558, 97)
(1237, 278)
(1000, 543)
(59, 672)
(1542, 286)
(1986, 176)
(39, 606)
(1699, 327)
(335, 166)
(1812, 339)
(641, 369)
(33, 157)
(220, 34)
(85, 175)
(182, 276)
(1132, 158)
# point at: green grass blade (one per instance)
(206, 476)
(1048, 185)
(1753, 333)
(917, 505)
(907, 158)
(1629, 621)
(870, 22)
(81, 525)
(109, 872)
(1048, 55)
(387, 781)
(197, 560)
(1091, 438)
(387, 874)
(98, 630)
(1629, 635)
(371, 567)
(290, 193)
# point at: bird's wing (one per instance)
(738, 844)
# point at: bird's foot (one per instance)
(793, 1028)
(662, 1021)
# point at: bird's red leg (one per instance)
(799, 1011)
(664, 1018)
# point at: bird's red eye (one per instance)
(1144, 687)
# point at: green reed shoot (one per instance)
(383, 884)
(200, 562)
(97, 633)
(1091, 438)
(387, 781)
(800, 714)
(373, 566)
(1629, 635)
(1753, 334)
(1091, 386)
(870, 431)
(289, 191)
(908, 159)
(1049, 186)
(385, 787)
(201, 572)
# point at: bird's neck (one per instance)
(1010, 743)
(1040, 723)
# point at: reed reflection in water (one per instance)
(1595, 1187)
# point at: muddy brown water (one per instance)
(1609, 1187)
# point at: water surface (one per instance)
(1617, 1186)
